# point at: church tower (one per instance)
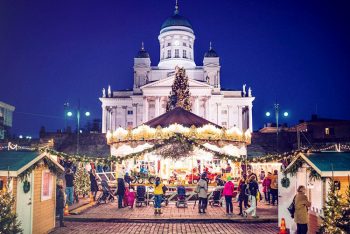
(176, 41)
(211, 67)
(142, 68)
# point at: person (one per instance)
(60, 201)
(242, 196)
(274, 187)
(243, 180)
(301, 207)
(126, 194)
(266, 187)
(228, 193)
(131, 198)
(127, 179)
(262, 175)
(93, 183)
(202, 190)
(228, 168)
(69, 186)
(120, 192)
(158, 196)
(252, 190)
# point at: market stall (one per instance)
(179, 145)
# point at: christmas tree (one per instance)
(345, 220)
(8, 217)
(81, 181)
(332, 212)
(180, 92)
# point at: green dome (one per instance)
(176, 20)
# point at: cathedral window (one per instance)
(224, 112)
(184, 44)
(130, 124)
(190, 46)
(177, 53)
(184, 54)
(130, 112)
(169, 44)
(169, 54)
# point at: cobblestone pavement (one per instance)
(164, 228)
(110, 211)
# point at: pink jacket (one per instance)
(228, 189)
(266, 184)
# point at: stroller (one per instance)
(216, 199)
(181, 197)
(106, 195)
(141, 196)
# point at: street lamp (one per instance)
(70, 114)
(277, 113)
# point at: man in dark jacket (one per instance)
(60, 201)
(69, 186)
(120, 192)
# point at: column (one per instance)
(134, 114)
(110, 120)
(228, 117)
(145, 110)
(218, 114)
(104, 119)
(250, 116)
(125, 108)
(196, 104)
(116, 125)
(157, 106)
(239, 116)
(207, 109)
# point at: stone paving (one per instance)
(126, 228)
(110, 212)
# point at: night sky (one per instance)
(52, 52)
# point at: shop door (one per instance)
(24, 205)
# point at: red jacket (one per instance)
(228, 189)
(266, 184)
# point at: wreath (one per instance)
(26, 186)
(285, 182)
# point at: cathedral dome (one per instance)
(176, 20)
(211, 53)
(142, 53)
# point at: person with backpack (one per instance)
(228, 193)
(202, 191)
(274, 187)
(158, 196)
(252, 191)
(301, 216)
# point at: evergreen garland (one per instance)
(332, 212)
(8, 217)
(180, 92)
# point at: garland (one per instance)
(295, 167)
(52, 167)
(313, 174)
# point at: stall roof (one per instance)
(15, 162)
(327, 163)
(180, 116)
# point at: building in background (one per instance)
(152, 84)
(6, 114)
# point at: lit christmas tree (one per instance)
(81, 181)
(345, 220)
(8, 217)
(332, 212)
(180, 92)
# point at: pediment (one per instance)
(168, 82)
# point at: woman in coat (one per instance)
(266, 187)
(93, 183)
(120, 192)
(242, 197)
(60, 201)
(228, 193)
(301, 216)
(202, 190)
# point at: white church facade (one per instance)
(152, 84)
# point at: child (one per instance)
(126, 195)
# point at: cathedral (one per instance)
(152, 84)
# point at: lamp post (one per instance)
(70, 114)
(277, 116)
